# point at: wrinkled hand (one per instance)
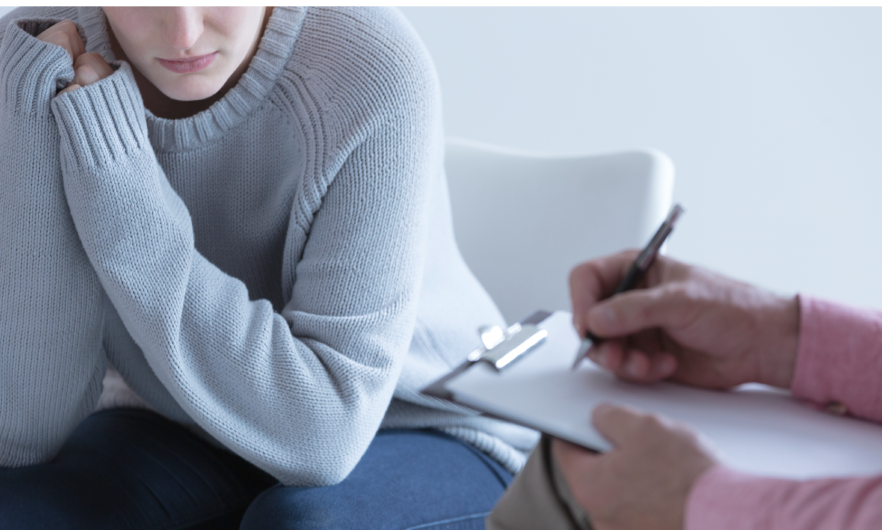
(686, 324)
(644, 481)
(88, 67)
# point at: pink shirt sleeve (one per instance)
(840, 357)
(839, 360)
(723, 499)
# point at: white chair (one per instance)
(522, 221)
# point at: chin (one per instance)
(192, 89)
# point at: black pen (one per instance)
(635, 273)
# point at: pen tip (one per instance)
(583, 351)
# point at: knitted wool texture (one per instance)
(278, 272)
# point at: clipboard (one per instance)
(522, 375)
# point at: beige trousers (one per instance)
(538, 498)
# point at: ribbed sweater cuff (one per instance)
(32, 71)
(104, 122)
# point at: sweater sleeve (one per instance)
(51, 362)
(298, 393)
(839, 360)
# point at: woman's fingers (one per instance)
(89, 68)
(64, 34)
(69, 88)
(85, 75)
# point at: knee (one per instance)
(271, 510)
(284, 508)
(25, 441)
(19, 448)
(37, 416)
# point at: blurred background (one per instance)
(772, 116)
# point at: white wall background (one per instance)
(773, 118)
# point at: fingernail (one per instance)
(70, 88)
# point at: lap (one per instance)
(539, 498)
(131, 469)
(406, 480)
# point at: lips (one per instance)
(188, 65)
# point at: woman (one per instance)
(239, 215)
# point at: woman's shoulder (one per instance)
(363, 56)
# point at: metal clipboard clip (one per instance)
(499, 347)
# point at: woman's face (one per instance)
(188, 53)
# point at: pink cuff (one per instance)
(839, 357)
(724, 499)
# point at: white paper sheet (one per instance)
(755, 428)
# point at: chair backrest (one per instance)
(522, 221)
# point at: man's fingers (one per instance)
(595, 280)
(641, 309)
(633, 364)
(663, 366)
(618, 424)
(608, 354)
(645, 368)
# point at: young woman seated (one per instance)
(227, 269)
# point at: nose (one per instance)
(183, 27)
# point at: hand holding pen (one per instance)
(684, 323)
(635, 273)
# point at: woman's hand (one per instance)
(88, 67)
(686, 324)
(644, 481)
(64, 34)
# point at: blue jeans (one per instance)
(128, 469)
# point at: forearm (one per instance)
(50, 333)
(840, 357)
(723, 499)
(300, 393)
(839, 360)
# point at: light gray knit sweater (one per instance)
(278, 271)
